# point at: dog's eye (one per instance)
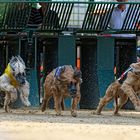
(19, 74)
(23, 74)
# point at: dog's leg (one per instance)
(58, 98)
(122, 100)
(106, 99)
(57, 101)
(111, 92)
(132, 95)
(63, 104)
(116, 105)
(7, 102)
(48, 93)
(75, 102)
(11, 95)
(45, 102)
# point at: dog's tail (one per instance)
(43, 106)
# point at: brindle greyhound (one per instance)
(62, 82)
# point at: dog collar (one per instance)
(13, 81)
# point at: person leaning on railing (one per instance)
(118, 18)
(51, 15)
(118, 15)
(41, 10)
(36, 16)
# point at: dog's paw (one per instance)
(7, 109)
(137, 108)
(93, 112)
(74, 114)
(58, 114)
(116, 114)
(96, 112)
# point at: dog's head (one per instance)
(135, 67)
(17, 67)
(77, 75)
(75, 82)
(70, 76)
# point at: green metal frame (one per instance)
(132, 17)
(15, 16)
(57, 16)
(97, 17)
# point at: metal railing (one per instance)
(80, 16)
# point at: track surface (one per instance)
(34, 125)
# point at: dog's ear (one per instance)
(77, 73)
(135, 67)
(75, 68)
(63, 68)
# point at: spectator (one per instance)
(41, 10)
(118, 18)
(118, 15)
(52, 19)
(36, 16)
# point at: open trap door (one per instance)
(125, 54)
(3, 62)
(47, 60)
(54, 51)
(89, 87)
(48, 53)
(8, 48)
(3, 53)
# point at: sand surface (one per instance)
(32, 124)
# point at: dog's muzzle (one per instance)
(21, 78)
(72, 89)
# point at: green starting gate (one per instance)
(63, 27)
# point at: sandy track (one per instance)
(35, 125)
